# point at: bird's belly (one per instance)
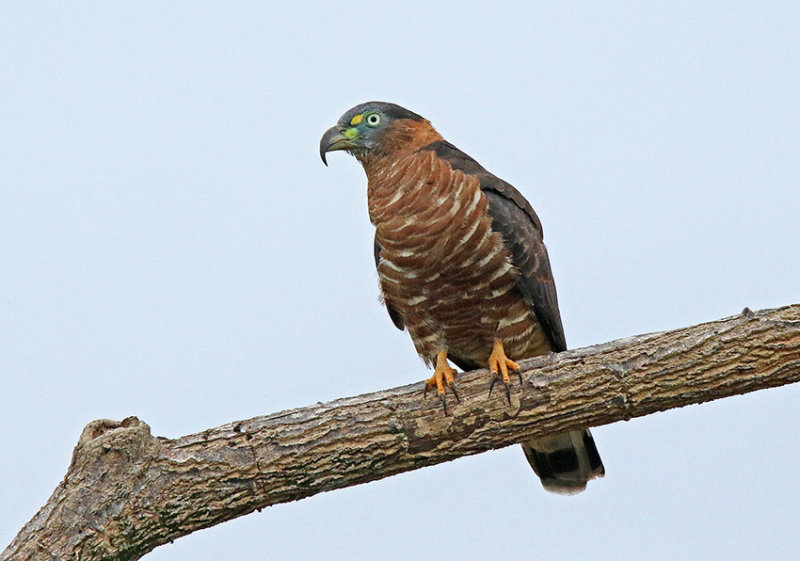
(457, 299)
(443, 269)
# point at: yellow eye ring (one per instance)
(373, 119)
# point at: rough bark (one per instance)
(127, 492)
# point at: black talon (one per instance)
(455, 393)
(491, 386)
(519, 373)
(508, 392)
(444, 404)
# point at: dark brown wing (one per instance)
(515, 220)
(529, 254)
(396, 319)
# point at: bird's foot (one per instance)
(499, 365)
(443, 376)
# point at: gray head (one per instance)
(361, 128)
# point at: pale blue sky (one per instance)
(173, 248)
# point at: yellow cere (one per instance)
(357, 119)
(351, 133)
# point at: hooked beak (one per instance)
(333, 139)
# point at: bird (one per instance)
(461, 265)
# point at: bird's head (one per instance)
(372, 129)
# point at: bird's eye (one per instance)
(373, 119)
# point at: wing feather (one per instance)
(515, 220)
(393, 313)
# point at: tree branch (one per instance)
(127, 492)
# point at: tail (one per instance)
(564, 462)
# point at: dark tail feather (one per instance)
(564, 462)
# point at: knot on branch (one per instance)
(98, 428)
(106, 441)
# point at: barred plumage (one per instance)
(461, 263)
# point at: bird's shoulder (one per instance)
(461, 161)
(514, 219)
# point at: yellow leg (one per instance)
(499, 362)
(443, 375)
